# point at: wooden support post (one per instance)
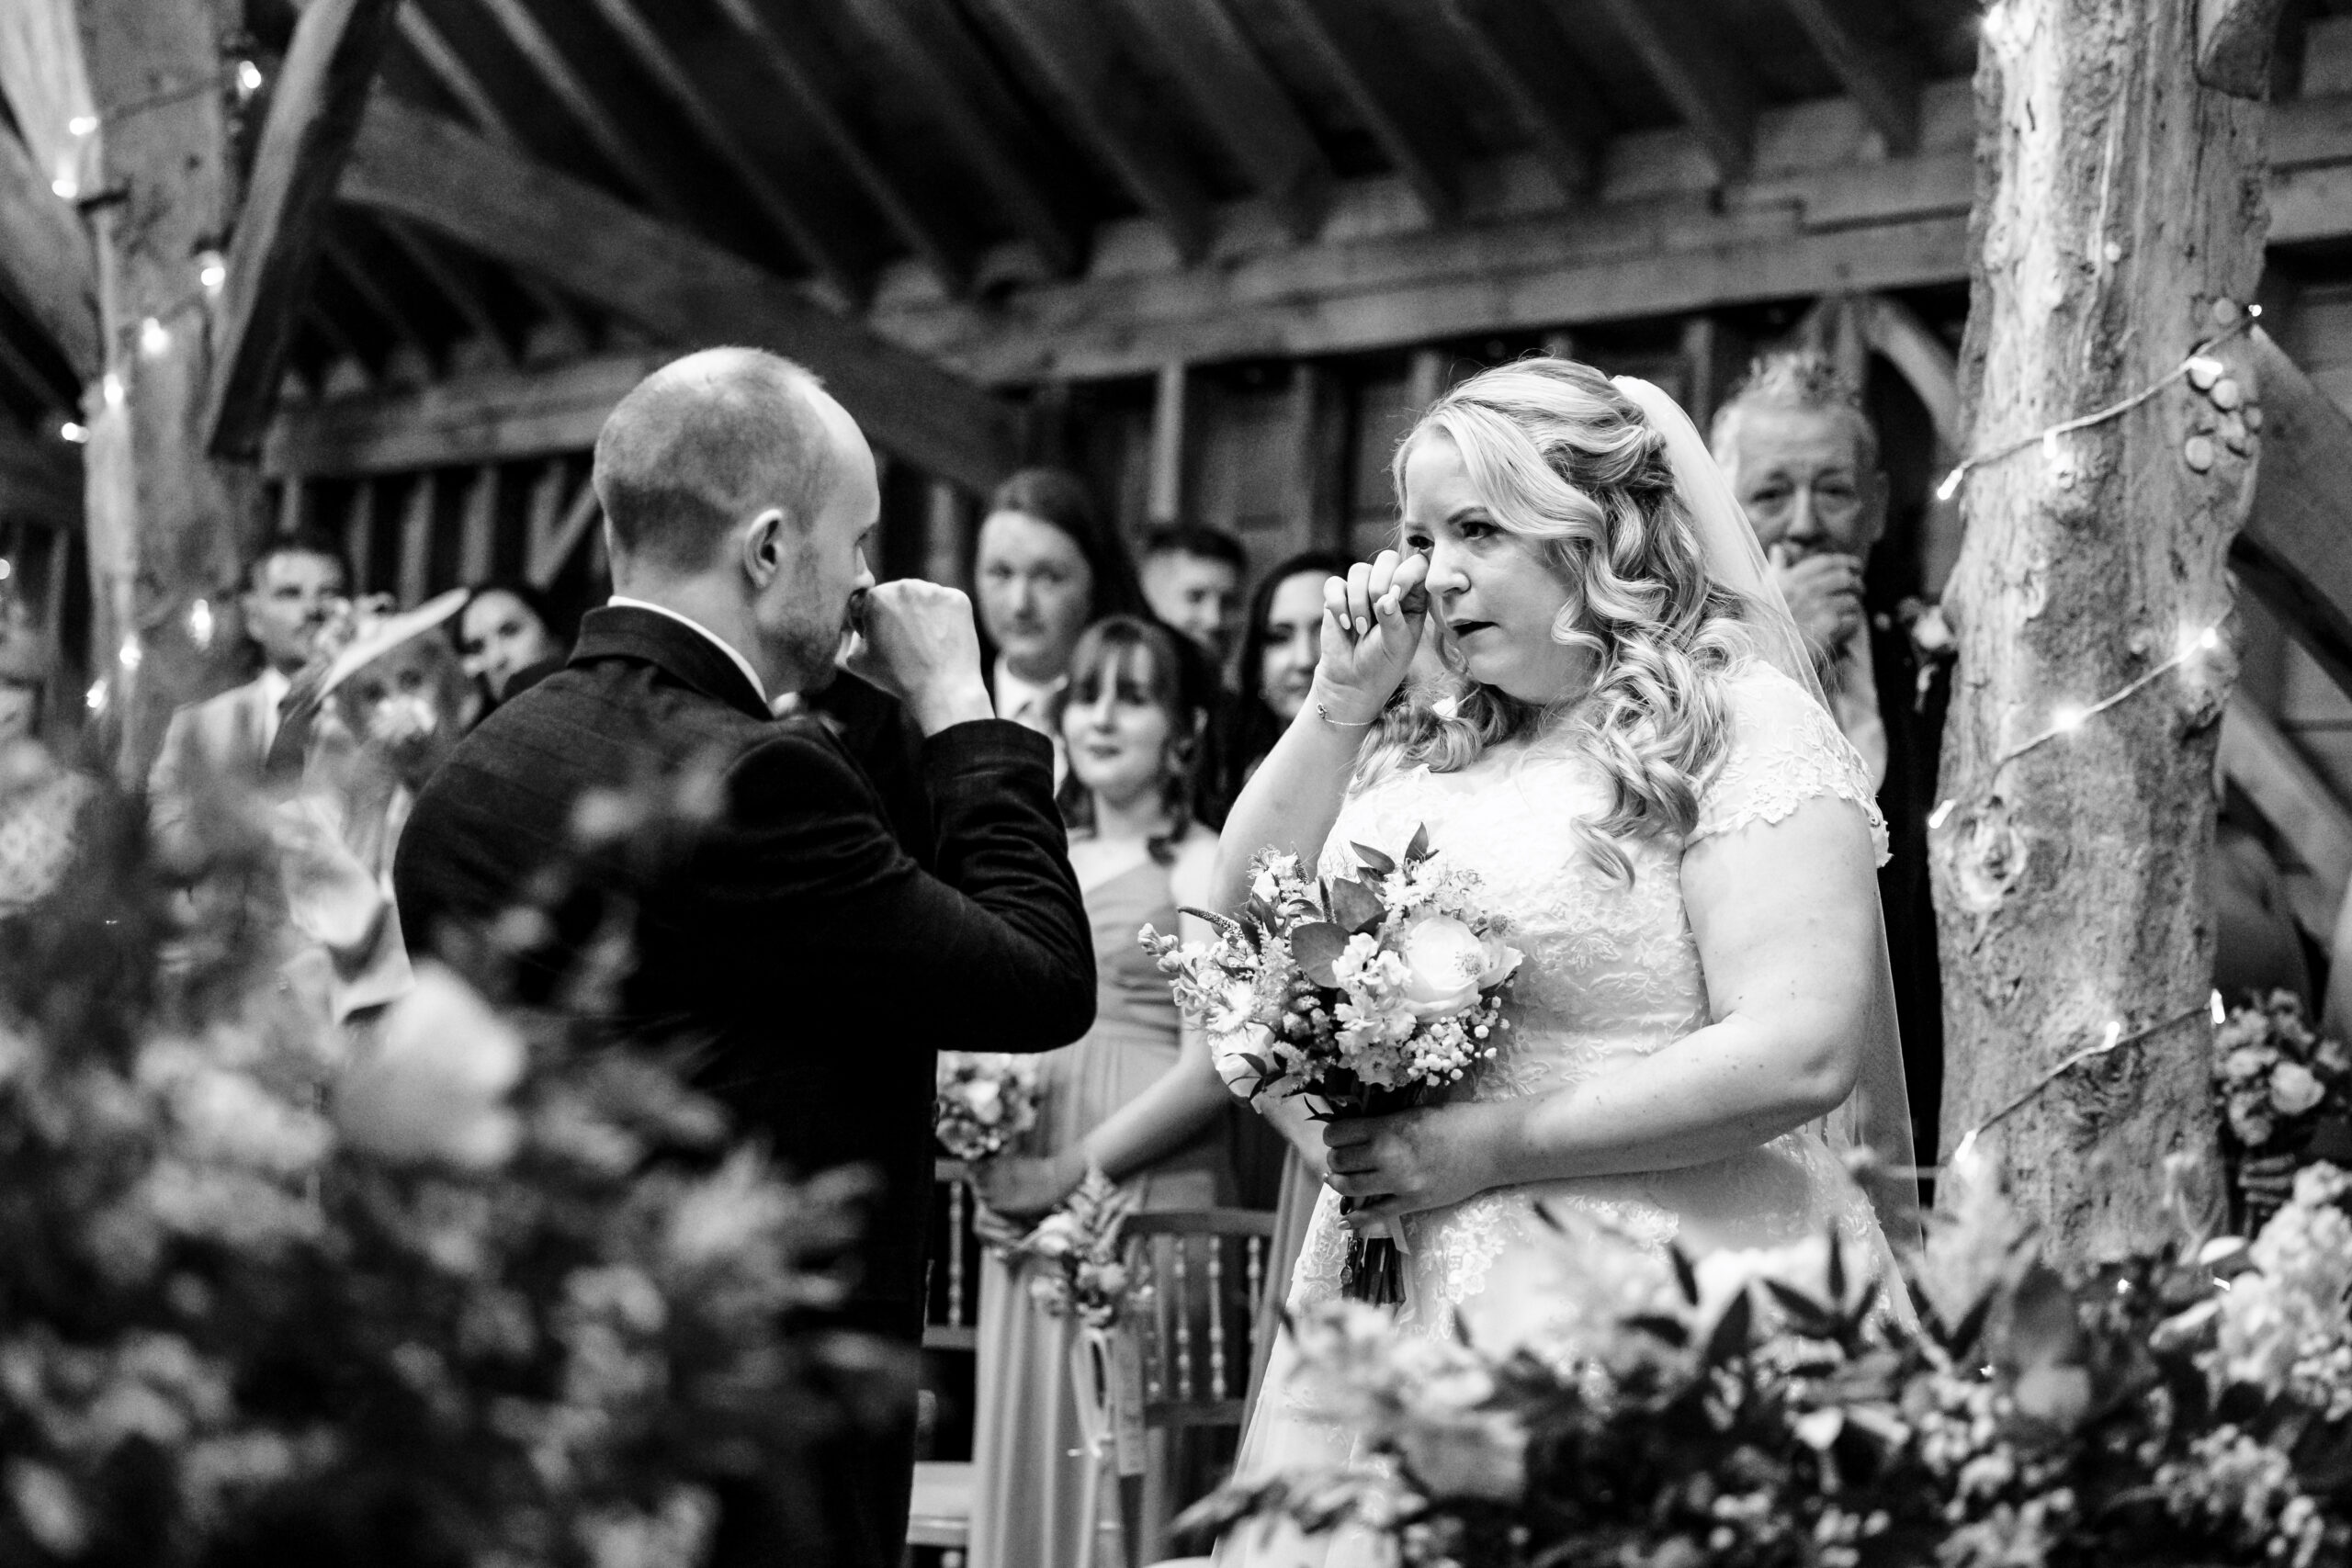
(579, 522)
(478, 542)
(1166, 499)
(167, 525)
(943, 536)
(293, 505)
(1317, 479)
(2121, 217)
(416, 541)
(360, 535)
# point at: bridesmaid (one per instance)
(1136, 1099)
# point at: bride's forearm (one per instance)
(1290, 802)
(1717, 1092)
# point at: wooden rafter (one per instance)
(1389, 95)
(797, 56)
(449, 69)
(1243, 104)
(1548, 89)
(807, 234)
(1869, 65)
(490, 416)
(2293, 550)
(1713, 96)
(339, 344)
(673, 283)
(358, 275)
(2296, 801)
(462, 296)
(46, 262)
(1112, 106)
(986, 130)
(556, 73)
(313, 115)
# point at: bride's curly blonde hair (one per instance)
(1565, 461)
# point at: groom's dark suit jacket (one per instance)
(792, 943)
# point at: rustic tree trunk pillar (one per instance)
(2120, 215)
(167, 524)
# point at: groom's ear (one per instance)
(764, 549)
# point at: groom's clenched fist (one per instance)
(915, 640)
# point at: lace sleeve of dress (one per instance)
(1785, 750)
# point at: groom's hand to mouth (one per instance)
(915, 640)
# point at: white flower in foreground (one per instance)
(1443, 959)
(433, 1084)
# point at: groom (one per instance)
(811, 964)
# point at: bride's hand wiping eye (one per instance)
(1418, 1159)
(1371, 624)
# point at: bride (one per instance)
(1627, 744)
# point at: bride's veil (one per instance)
(1877, 1116)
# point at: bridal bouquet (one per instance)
(985, 1100)
(1371, 993)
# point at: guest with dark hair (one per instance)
(1049, 565)
(1191, 577)
(509, 635)
(1280, 642)
(1138, 1098)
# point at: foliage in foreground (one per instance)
(1765, 1409)
(462, 1288)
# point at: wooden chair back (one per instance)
(1206, 1269)
(952, 1289)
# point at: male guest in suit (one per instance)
(1804, 459)
(814, 967)
(290, 591)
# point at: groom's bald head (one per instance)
(706, 443)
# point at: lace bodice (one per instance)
(1612, 968)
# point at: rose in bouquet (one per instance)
(986, 1100)
(1087, 1277)
(1370, 993)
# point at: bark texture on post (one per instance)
(167, 526)
(2119, 213)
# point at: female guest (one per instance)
(506, 631)
(1279, 644)
(1049, 565)
(1136, 1100)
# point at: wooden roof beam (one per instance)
(1714, 97)
(46, 262)
(1546, 86)
(673, 283)
(359, 276)
(1112, 106)
(986, 129)
(1388, 93)
(313, 117)
(2293, 550)
(589, 112)
(462, 296)
(1872, 66)
(449, 69)
(1244, 106)
(795, 54)
(807, 234)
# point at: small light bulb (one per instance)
(248, 77)
(199, 623)
(110, 389)
(2210, 639)
(2254, 309)
(1940, 815)
(83, 124)
(71, 432)
(1951, 486)
(7, 569)
(64, 187)
(95, 701)
(130, 654)
(2220, 1013)
(211, 271)
(2067, 719)
(2205, 365)
(2114, 1034)
(154, 338)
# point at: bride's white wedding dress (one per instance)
(1611, 974)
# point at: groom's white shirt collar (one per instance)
(623, 601)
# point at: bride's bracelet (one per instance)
(1325, 714)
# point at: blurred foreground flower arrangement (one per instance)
(461, 1287)
(2193, 1407)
